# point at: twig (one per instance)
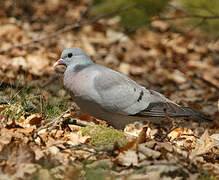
(187, 17)
(177, 9)
(79, 122)
(54, 78)
(95, 20)
(66, 29)
(53, 122)
(21, 45)
(196, 25)
(205, 81)
(189, 135)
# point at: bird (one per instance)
(111, 96)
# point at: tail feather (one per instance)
(164, 109)
(195, 114)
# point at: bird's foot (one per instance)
(173, 125)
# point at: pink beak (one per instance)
(59, 62)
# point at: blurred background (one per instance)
(171, 46)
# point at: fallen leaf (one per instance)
(34, 119)
(204, 144)
(150, 153)
(124, 68)
(5, 137)
(128, 158)
(161, 25)
(37, 63)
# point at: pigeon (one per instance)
(113, 97)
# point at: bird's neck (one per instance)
(76, 67)
(79, 61)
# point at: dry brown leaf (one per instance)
(214, 168)
(161, 25)
(114, 36)
(169, 56)
(34, 119)
(25, 168)
(210, 78)
(9, 29)
(183, 137)
(142, 136)
(150, 153)
(177, 76)
(26, 130)
(44, 174)
(138, 70)
(5, 137)
(111, 59)
(87, 46)
(165, 145)
(216, 138)
(19, 63)
(128, 158)
(76, 138)
(37, 64)
(124, 68)
(204, 144)
(133, 130)
(178, 132)
(53, 150)
(39, 153)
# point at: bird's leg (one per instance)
(75, 111)
(168, 118)
(173, 124)
(149, 124)
(65, 123)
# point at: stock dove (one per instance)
(111, 96)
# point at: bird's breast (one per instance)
(81, 84)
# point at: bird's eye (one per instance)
(69, 55)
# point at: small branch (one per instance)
(21, 45)
(205, 81)
(187, 17)
(77, 122)
(50, 125)
(95, 20)
(197, 25)
(66, 29)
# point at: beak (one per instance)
(59, 62)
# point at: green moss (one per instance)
(97, 174)
(103, 136)
(14, 111)
(210, 177)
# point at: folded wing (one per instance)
(121, 95)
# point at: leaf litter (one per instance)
(35, 141)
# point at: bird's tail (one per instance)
(195, 114)
(164, 109)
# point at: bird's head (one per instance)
(73, 57)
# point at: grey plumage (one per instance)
(112, 96)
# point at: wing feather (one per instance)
(122, 95)
(164, 109)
